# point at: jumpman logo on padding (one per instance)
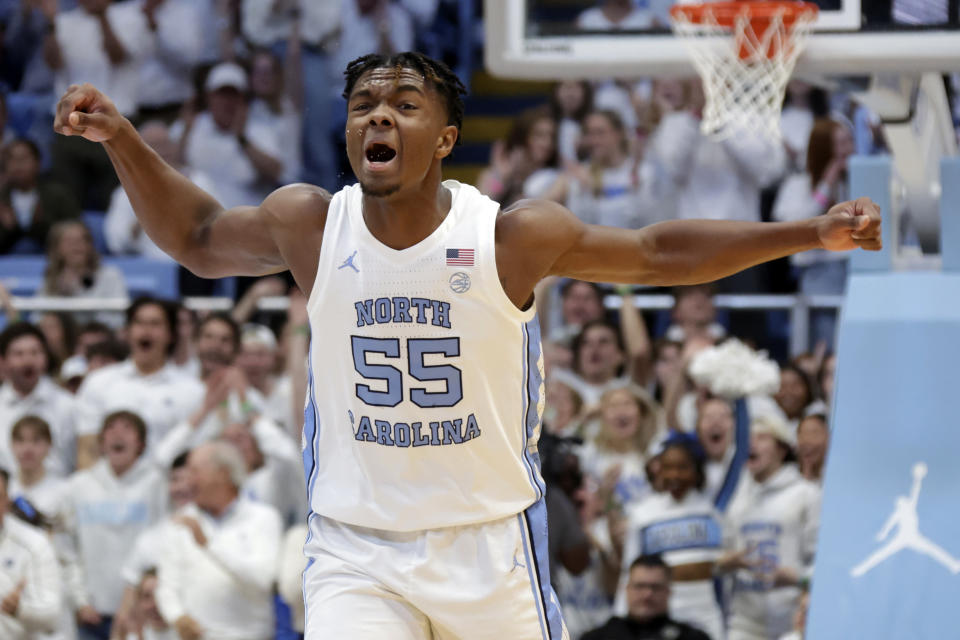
(517, 563)
(349, 263)
(908, 536)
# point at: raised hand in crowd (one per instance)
(188, 628)
(6, 305)
(220, 385)
(262, 288)
(88, 615)
(194, 527)
(11, 602)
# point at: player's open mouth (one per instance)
(379, 155)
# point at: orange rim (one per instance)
(760, 13)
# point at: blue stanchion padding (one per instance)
(158, 278)
(950, 213)
(888, 558)
(22, 275)
(870, 177)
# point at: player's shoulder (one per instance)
(295, 201)
(536, 216)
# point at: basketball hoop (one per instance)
(744, 80)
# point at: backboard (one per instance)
(540, 38)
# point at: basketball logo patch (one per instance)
(459, 282)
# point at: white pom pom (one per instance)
(733, 370)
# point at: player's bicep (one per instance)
(603, 254)
(238, 242)
(256, 241)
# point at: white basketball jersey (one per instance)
(426, 382)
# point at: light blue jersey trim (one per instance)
(531, 402)
(533, 523)
(311, 435)
(531, 573)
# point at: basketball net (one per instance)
(745, 53)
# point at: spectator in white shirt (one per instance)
(272, 478)
(797, 396)
(101, 42)
(293, 562)
(571, 101)
(315, 28)
(121, 227)
(258, 357)
(149, 548)
(147, 382)
(524, 164)
(812, 193)
(278, 104)
(813, 441)
(228, 396)
(242, 157)
(607, 189)
(369, 26)
(107, 506)
(599, 362)
(181, 30)
(28, 390)
(719, 180)
(31, 442)
(30, 601)
(775, 523)
(216, 579)
(722, 439)
(616, 458)
(74, 269)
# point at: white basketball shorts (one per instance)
(489, 580)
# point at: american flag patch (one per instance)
(460, 257)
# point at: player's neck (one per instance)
(407, 217)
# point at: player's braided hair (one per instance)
(435, 72)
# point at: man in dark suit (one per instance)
(29, 205)
(648, 592)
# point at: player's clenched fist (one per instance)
(851, 224)
(84, 111)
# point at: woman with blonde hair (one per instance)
(615, 453)
(74, 269)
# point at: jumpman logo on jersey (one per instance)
(349, 263)
(517, 563)
(908, 536)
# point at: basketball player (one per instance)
(425, 395)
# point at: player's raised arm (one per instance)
(679, 252)
(184, 221)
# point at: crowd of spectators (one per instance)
(151, 483)
(160, 461)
